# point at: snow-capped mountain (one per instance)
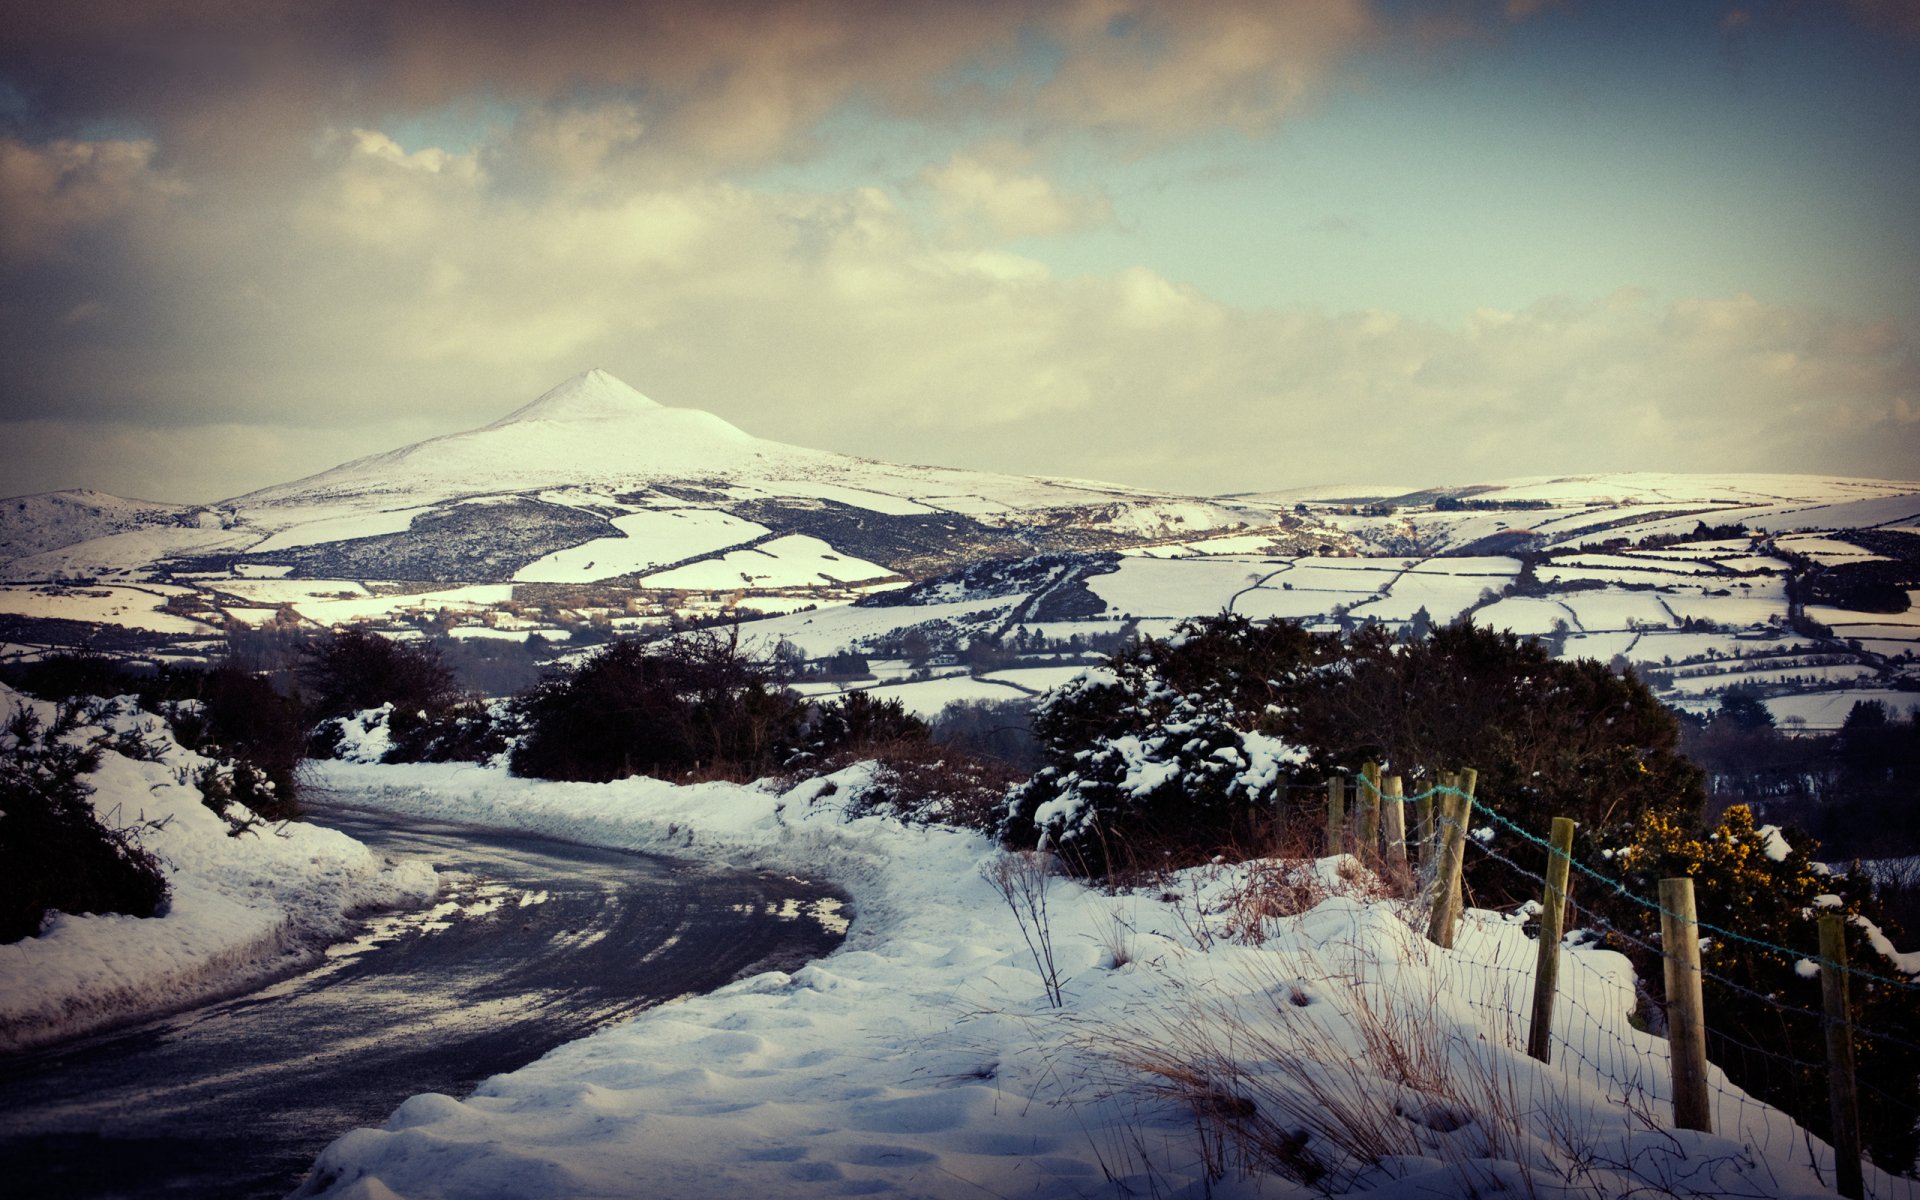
(594, 481)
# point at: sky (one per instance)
(1213, 246)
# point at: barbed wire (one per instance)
(1620, 888)
(1626, 1071)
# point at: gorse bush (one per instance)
(55, 854)
(851, 723)
(692, 704)
(1762, 1008)
(225, 713)
(1178, 745)
(1001, 730)
(230, 714)
(1170, 749)
(1550, 738)
(354, 669)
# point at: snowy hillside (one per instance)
(593, 510)
(32, 525)
(924, 1058)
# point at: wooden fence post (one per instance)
(1423, 828)
(1336, 814)
(1369, 804)
(1553, 926)
(1393, 817)
(1451, 855)
(1686, 1010)
(1840, 1077)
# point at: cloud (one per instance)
(990, 192)
(227, 83)
(1143, 67)
(51, 191)
(430, 284)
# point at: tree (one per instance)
(354, 669)
(1743, 709)
(1549, 738)
(691, 703)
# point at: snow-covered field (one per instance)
(792, 561)
(243, 908)
(1820, 710)
(129, 607)
(649, 539)
(924, 1058)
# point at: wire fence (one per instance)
(1634, 1069)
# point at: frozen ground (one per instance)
(243, 909)
(924, 1058)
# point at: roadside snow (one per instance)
(244, 909)
(923, 1058)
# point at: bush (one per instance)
(846, 727)
(1170, 746)
(54, 852)
(693, 704)
(466, 731)
(998, 729)
(229, 713)
(225, 713)
(1549, 738)
(920, 783)
(1763, 1015)
(1169, 749)
(350, 670)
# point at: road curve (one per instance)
(537, 942)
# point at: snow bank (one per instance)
(243, 909)
(924, 1059)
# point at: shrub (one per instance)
(921, 783)
(1166, 748)
(691, 704)
(998, 729)
(352, 669)
(1762, 1013)
(55, 854)
(1176, 740)
(1549, 738)
(226, 713)
(469, 730)
(845, 726)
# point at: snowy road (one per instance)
(538, 943)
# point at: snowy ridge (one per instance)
(31, 525)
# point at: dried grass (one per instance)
(1336, 1076)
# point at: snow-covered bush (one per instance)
(467, 731)
(1169, 751)
(228, 714)
(55, 852)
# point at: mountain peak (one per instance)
(594, 395)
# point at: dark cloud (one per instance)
(227, 80)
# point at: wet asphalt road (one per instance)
(538, 943)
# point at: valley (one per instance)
(594, 512)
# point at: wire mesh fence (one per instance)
(1767, 1092)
